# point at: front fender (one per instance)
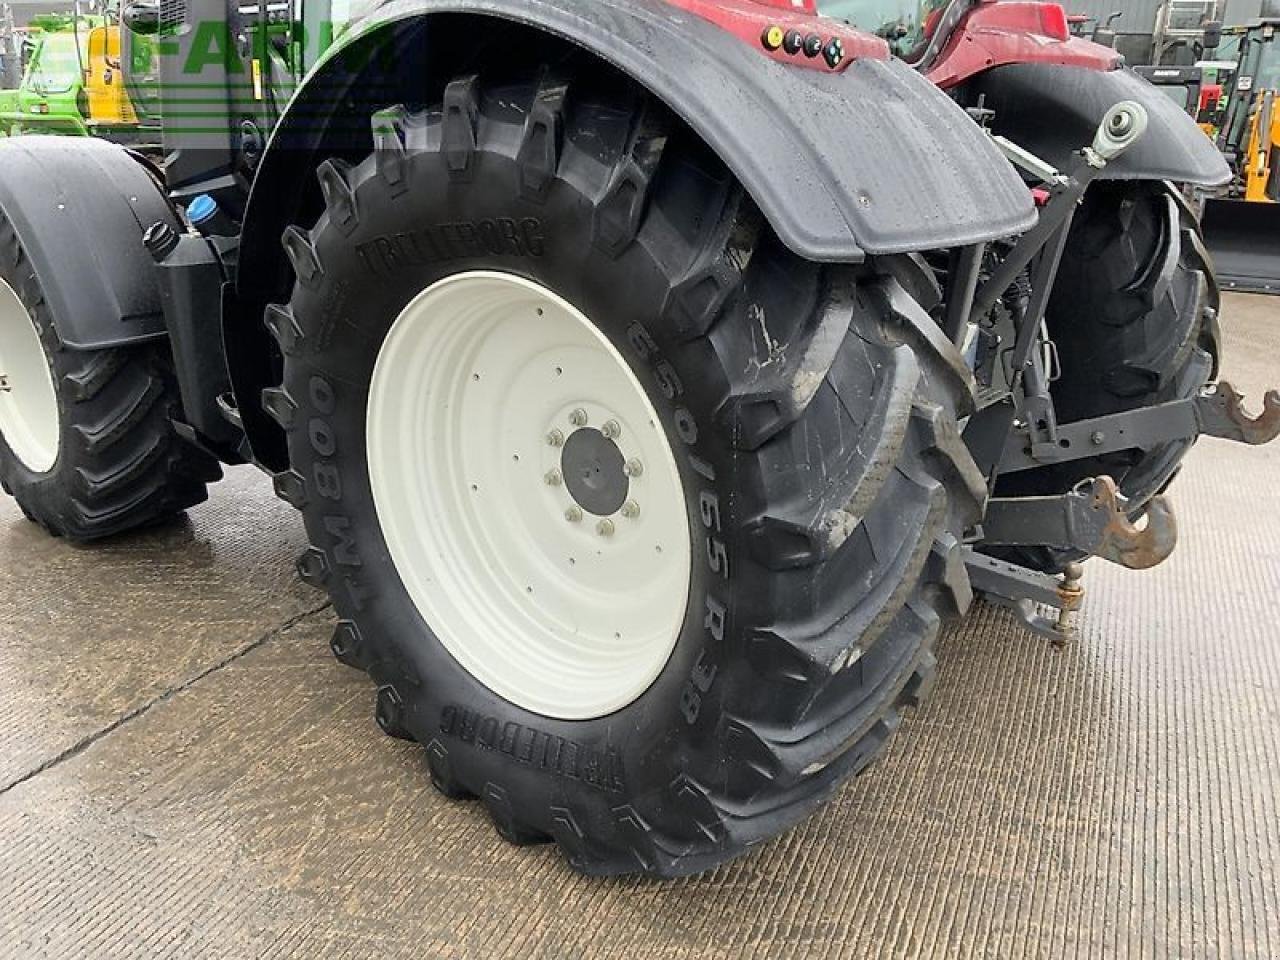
(80, 207)
(870, 160)
(1054, 110)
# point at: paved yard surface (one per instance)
(185, 772)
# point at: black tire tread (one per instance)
(895, 495)
(121, 465)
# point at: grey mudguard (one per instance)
(79, 207)
(1053, 110)
(874, 160)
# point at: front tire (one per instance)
(87, 445)
(820, 485)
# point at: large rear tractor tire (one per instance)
(643, 526)
(1134, 315)
(87, 445)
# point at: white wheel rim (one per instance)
(475, 409)
(28, 401)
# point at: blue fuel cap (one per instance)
(202, 209)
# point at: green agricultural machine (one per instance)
(74, 81)
(654, 377)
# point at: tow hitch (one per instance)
(1093, 519)
(1019, 430)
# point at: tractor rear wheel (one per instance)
(1134, 316)
(643, 526)
(87, 445)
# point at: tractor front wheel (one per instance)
(87, 444)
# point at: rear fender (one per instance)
(872, 159)
(1053, 110)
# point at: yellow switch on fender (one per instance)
(772, 38)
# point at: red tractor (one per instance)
(654, 377)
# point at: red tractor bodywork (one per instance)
(999, 32)
(991, 34)
(790, 33)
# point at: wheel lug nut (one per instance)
(578, 418)
(605, 528)
(633, 468)
(611, 430)
(554, 479)
(555, 439)
(573, 515)
(631, 509)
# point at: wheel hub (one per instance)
(595, 472)
(528, 495)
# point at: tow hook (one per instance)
(1094, 518)
(1221, 414)
(1122, 541)
(1026, 593)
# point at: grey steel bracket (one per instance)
(1217, 412)
(1092, 519)
(1025, 592)
(1038, 251)
(1122, 127)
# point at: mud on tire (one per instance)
(120, 465)
(1134, 314)
(812, 410)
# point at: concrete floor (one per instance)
(186, 772)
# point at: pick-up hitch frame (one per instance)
(1018, 429)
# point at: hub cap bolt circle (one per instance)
(631, 509)
(555, 439)
(611, 430)
(634, 468)
(554, 479)
(578, 418)
(573, 515)
(605, 528)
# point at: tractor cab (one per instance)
(1257, 74)
(905, 24)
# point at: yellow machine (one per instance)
(1243, 230)
(104, 82)
(72, 82)
(1256, 160)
